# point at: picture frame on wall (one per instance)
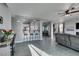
(1, 20)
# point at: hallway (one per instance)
(50, 47)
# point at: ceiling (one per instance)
(46, 11)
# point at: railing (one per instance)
(68, 40)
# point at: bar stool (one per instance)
(12, 45)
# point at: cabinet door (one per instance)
(67, 40)
(63, 39)
(74, 43)
(60, 39)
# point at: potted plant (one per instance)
(7, 33)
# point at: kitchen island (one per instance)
(68, 40)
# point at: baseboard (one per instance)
(19, 41)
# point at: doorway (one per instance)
(46, 31)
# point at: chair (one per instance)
(12, 45)
(2, 37)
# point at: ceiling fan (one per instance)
(70, 10)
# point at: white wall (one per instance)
(5, 13)
(70, 26)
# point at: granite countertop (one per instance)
(77, 36)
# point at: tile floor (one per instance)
(47, 45)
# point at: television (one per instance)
(77, 25)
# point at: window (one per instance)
(77, 25)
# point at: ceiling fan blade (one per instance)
(60, 13)
(66, 12)
(63, 14)
(74, 11)
(71, 6)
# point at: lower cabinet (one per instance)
(74, 43)
(64, 40)
(70, 41)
